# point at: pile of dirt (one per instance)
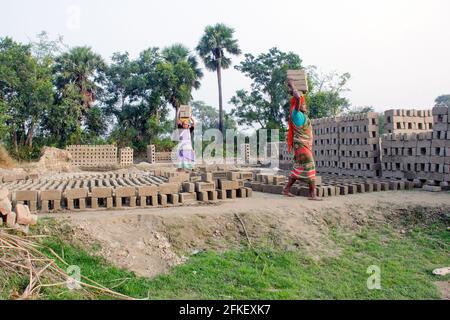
(6, 162)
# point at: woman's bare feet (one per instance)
(287, 193)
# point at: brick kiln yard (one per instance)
(148, 217)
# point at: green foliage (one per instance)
(267, 104)
(209, 116)
(325, 96)
(185, 74)
(443, 99)
(25, 92)
(216, 41)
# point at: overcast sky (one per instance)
(397, 51)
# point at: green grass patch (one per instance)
(405, 261)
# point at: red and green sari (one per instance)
(300, 139)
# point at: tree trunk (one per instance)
(14, 138)
(219, 81)
(29, 141)
(177, 107)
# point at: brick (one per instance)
(246, 176)
(207, 177)
(249, 192)
(202, 196)
(432, 188)
(146, 191)
(76, 193)
(204, 186)
(23, 214)
(173, 199)
(169, 188)
(188, 197)
(228, 185)
(222, 194)
(26, 195)
(162, 200)
(125, 192)
(50, 195)
(11, 220)
(231, 175)
(102, 192)
(5, 206)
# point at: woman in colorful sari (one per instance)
(300, 140)
(185, 152)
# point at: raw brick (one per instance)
(125, 192)
(102, 192)
(228, 185)
(169, 188)
(204, 186)
(146, 191)
(50, 195)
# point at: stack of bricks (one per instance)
(326, 145)
(424, 156)
(164, 157)
(245, 153)
(440, 144)
(406, 156)
(126, 157)
(151, 154)
(359, 147)
(408, 121)
(93, 156)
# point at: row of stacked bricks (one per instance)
(348, 145)
(326, 145)
(328, 185)
(424, 156)
(408, 121)
(93, 156)
(440, 144)
(223, 185)
(126, 157)
(151, 154)
(359, 147)
(94, 192)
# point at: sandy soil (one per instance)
(151, 241)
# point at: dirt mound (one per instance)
(6, 162)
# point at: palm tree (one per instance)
(215, 41)
(186, 74)
(83, 69)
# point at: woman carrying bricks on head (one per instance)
(185, 152)
(300, 139)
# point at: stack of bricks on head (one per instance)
(21, 218)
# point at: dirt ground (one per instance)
(151, 241)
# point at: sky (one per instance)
(397, 51)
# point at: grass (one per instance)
(406, 262)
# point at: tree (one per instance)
(215, 42)
(83, 69)
(444, 99)
(136, 96)
(185, 74)
(267, 104)
(325, 96)
(25, 91)
(209, 117)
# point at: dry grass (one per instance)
(20, 255)
(6, 161)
